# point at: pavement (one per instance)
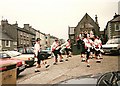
(71, 69)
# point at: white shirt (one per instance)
(36, 48)
(54, 46)
(98, 43)
(87, 42)
(66, 44)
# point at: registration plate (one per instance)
(107, 50)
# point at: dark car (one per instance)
(4, 57)
(46, 53)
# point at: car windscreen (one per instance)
(13, 53)
(21, 50)
(29, 50)
(114, 41)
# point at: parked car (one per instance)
(30, 50)
(46, 53)
(26, 50)
(5, 58)
(112, 46)
(29, 59)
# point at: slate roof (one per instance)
(116, 19)
(86, 25)
(4, 36)
(24, 30)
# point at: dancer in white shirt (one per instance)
(97, 46)
(87, 48)
(38, 56)
(68, 48)
(55, 48)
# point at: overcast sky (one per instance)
(54, 16)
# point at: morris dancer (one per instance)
(67, 48)
(56, 50)
(97, 46)
(87, 48)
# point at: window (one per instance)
(27, 42)
(24, 42)
(27, 35)
(14, 43)
(7, 43)
(21, 41)
(117, 27)
(21, 33)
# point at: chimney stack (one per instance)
(96, 19)
(26, 26)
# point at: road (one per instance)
(68, 70)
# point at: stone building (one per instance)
(86, 24)
(22, 37)
(25, 36)
(112, 29)
(42, 36)
(6, 43)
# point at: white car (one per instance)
(112, 46)
(29, 59)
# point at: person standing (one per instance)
(38, 56)
(36, 52)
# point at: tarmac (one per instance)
(71, 69)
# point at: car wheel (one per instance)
(109, 79)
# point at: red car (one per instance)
(5, 58)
